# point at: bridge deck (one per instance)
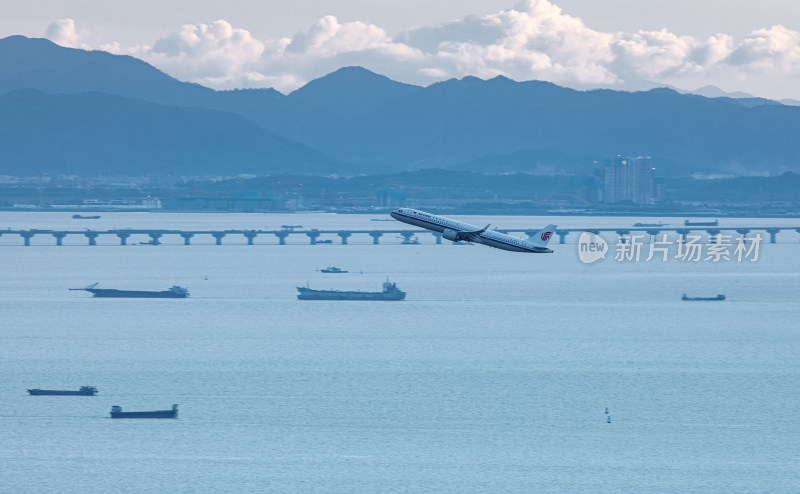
(313, 234)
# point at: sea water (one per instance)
(494, 375)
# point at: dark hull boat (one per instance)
(83, 391)
(701, 223)
(173, 292)
(718, 297)
(390, 292)
(117, 413)
(332, 269)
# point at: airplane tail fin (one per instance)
(543, 236)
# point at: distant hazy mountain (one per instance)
(351, 92)
(370, 123)
(458, 121)
(175, 135)
(715, 92)
(100, 134)
(32, 63)
(739, 97)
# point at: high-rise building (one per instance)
(629, 179)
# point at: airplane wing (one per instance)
(470, 236)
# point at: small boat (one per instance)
(326, 241)
(117, 413)
(332, 269)
(701, 223)
(80, 217)
(83, 391)
(174, 292)
(718, 297)
(659, 224)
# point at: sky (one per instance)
(736, 45)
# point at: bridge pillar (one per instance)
(743, 232)
(92, 236)
(344, 236)
(682, 235)
(187, 237)
(219, 236)
(312, 237)
(27, 236)
(407, 236)
(530, 234)
(282, 237)
(250, 237)
(59, 237)
(562, 235)
(773, 232)
(375, 236)
(439, 237)
(622, 236)
(652, 233)
(123, 238)
(154, 238)
(713, 236)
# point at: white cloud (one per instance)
(210, 52)
(533, 40)
(63, 32)
(776, 50)
(327, 37)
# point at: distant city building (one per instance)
(146, 204)
(151, 203)
(629, 179)
(391, 198)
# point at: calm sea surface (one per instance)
(492, 376)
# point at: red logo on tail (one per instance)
(546, 236)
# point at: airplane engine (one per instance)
(450, 235)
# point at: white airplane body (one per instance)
(458, 231)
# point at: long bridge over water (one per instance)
(408, 236)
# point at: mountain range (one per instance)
(71, 111)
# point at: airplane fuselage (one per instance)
(459, 231)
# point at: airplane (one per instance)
(464, 232)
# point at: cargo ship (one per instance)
(701, 223)
(332, 269)
(390, 292)
(117, 413)
(174, 292)
(718, 297)
(83, 391)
